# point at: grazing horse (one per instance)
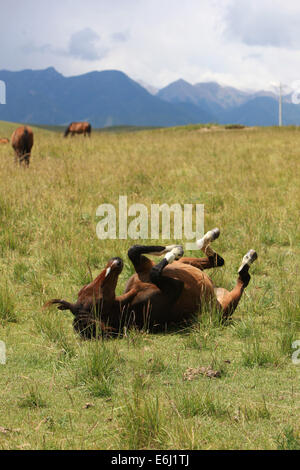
(4, 140)
(22, 142)
(78, 128)
(157, 295)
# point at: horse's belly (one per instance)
(198, 288)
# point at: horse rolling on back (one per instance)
(157, 295)
(78, 128)
(22, 142)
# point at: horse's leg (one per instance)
(21, 158)
(26, 160)
(169, 286)
(212, 259)
(229, 300)
(141, 263)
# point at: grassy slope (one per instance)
(249, 183)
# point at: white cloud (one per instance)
(121, 36)
(84, 45)
(264, 23)
(242, 43)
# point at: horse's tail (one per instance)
(67, 131)
(26, 141)
(63, 305)
(89, 129)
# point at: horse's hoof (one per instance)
(178, 251)
(168, 248)
(248, 259)
(208, 238)
(175, 254)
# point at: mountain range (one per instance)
(111, 98)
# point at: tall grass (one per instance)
(32, 398)
(254, 354)
(7, 305)
(197, 403)
(98, 367)
(53, 327)
(288, 440)
(143, 421)
(130, 392)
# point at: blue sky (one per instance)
(247, 44)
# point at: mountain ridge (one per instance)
(105, 98)
(112, 98)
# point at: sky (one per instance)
(246, 44)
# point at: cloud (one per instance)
(121, 36)
(264, 23)
(243, 43)
(83, 45)
(31, 48)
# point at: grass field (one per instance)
(59, 392)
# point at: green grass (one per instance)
(98, 365)
(32, 398)
(61, 392)
(7, 305)
(288, 440)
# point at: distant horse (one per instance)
(22, 142)
(171, 291)
(4, 140)
(78, 128)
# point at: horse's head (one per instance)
(96, 304)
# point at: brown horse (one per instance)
(22, 142)
(157, 295)
(4, 140)
(78, 128)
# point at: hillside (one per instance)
(111, 98)
(230, 105)
(108, 98)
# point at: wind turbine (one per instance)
(279, 88)
(280, 105)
